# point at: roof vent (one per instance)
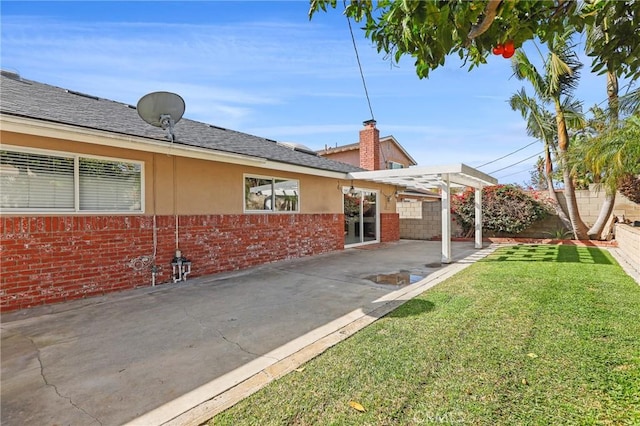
(299, 147)
(84, 95)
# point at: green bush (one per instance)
(506, 209)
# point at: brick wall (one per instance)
(389, 227)
(54, 259)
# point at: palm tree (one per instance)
(598, 37)
(611, 156)
(540, 125)
(560, 78)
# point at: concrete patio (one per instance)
(175, 353)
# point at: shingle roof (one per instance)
(40, 101)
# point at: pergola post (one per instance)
(478, 221)
(446, 219)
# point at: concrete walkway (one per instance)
(178, 353)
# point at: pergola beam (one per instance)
(438, 177)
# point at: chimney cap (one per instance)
(369, 123)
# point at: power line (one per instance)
(521, 161)
(505, 156)
(513, 173)
(364, 84)
(628, 85)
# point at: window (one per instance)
(39, 181)
(394, 165)
(268, 194)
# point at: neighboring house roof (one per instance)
(356, 146)
(30, 99)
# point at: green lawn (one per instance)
(536, 335)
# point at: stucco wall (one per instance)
(205, 187)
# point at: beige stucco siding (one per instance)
(205, 187)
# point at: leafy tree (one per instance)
(430, 30)
(506, 208)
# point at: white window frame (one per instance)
(273, 179)
(345, 190)
(76, 182)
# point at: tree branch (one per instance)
(490, 12)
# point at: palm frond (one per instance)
(573, 113)
(630, 102)
(523, 69)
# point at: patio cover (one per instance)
(443, 178)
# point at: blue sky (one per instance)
(263, 68)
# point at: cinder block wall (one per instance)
(590, 201)
(427, 225)
(628, 239)
(420, 220)
(54, 259)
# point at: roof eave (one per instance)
(24, 125)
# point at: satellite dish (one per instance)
(161, 109)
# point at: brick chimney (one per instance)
(370, 146)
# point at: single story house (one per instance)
(95, 200)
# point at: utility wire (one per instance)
(364, 84)
(627, 86)
(521, 161)
(513, 173)
(511, 153)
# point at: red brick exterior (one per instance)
(389, 227)
(370, 146)
(54, 259)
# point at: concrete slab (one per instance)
(164, 355)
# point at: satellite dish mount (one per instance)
(162, 109)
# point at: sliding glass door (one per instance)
(360, 217)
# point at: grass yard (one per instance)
(536, 335)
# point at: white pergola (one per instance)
(443, 178)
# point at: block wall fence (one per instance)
(50, 259)
(424, 222)
(628, 239)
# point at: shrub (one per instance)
(506, 208)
